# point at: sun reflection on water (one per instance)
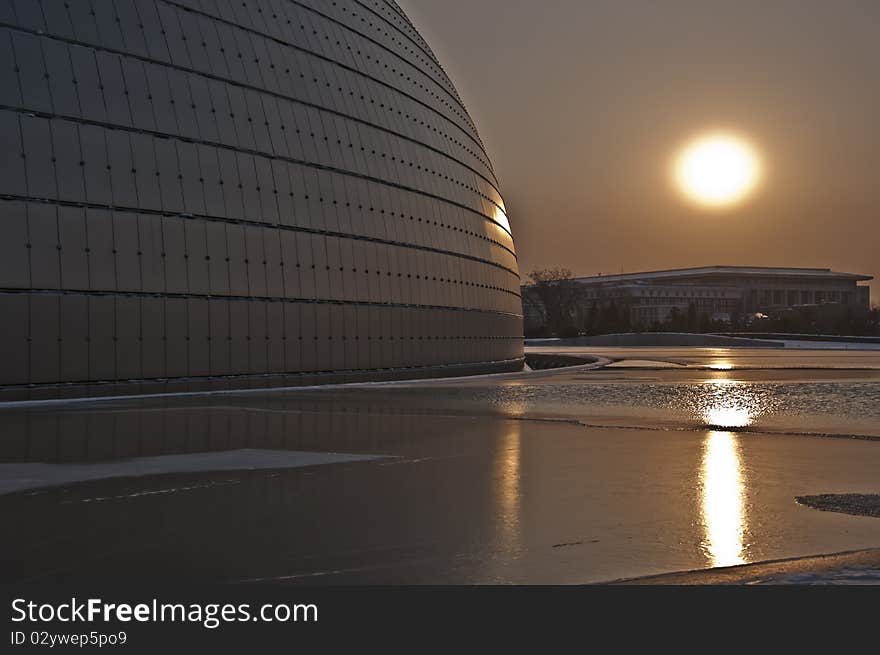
(727, 416)
(723, 500)
(728, 404)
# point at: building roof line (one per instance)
(771, 271)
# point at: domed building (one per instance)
(203, 194)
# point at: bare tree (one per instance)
(558, 293)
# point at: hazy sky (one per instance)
(582, 103)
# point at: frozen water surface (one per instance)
(676, 458)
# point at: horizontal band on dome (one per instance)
(28, 291)
(242, 221)
(257, 153)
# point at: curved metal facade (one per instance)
(208, 189)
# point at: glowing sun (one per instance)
(717, 170)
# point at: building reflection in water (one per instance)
(722, 489)
(507, 470)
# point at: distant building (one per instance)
(718, 293)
